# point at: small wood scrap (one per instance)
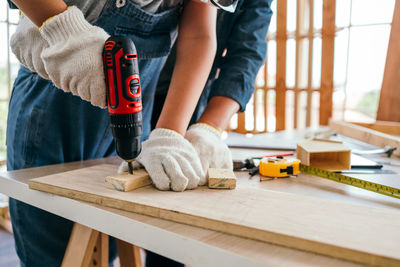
(127, 182)
(376, 134)
(221, 178)
(324, 154)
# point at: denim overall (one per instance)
(48, 126)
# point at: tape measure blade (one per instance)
(356, 182)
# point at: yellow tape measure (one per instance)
(344, 179)
(279, 167)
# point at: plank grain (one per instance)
(358, 233)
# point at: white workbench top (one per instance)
(191, 245)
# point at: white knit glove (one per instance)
(27, 44)
(212, 151)
(170, 160)
(73, 59)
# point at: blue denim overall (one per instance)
(47, 126)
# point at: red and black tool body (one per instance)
(124, 99)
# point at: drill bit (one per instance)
(130, 167)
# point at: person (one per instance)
(47, 126)
(241, 51)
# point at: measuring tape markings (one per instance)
(374, 187)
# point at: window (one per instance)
(361, 34)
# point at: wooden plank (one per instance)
(390, 97)
(221, 178)
(80, 246)
(310, 61)
(281, 38)
(318, 225)
(129, 255)
(255, 109)
(127, 182)
(300, 20)
(392, 128)
(241, 123)
(366, 135)
(328, 43)
(266, 95)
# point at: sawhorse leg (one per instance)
(89, 248)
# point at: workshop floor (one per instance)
(8, 256)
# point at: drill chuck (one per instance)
(127, 131)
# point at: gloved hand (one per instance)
(170, 160)
(73, 58)
(27, 44)
(212, 151)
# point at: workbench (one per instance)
(191, 245)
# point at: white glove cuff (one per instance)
(206, 127)
(60, 27)
(162, 132)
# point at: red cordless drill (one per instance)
(123, 96)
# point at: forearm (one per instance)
(219, 112)
(195, 55)
(38, 11)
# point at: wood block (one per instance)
(128, 182)
(221, 179)
(325, 154)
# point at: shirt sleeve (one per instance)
(246, 50)
(12, 5)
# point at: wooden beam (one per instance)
(310, 61)
(100, 253)
(300, 28)
(328, 43)
(281, 38)
(392, 128)
(255, 109)
(129, 255)
(366, 135)
(266, 95)
(241, 128)
(388, 109)
(80, 246)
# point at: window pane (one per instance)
(317, 14)
(290, 62)
(3, 10)
(13, 15)
(372, 11)
(291, 15)
(340, 60)
(367, 55)
(342, 13)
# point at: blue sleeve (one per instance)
(246, 50)
(12, 5)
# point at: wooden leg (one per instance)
(129, 255)
(100, 252)
(81, 247)
(5, 216)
